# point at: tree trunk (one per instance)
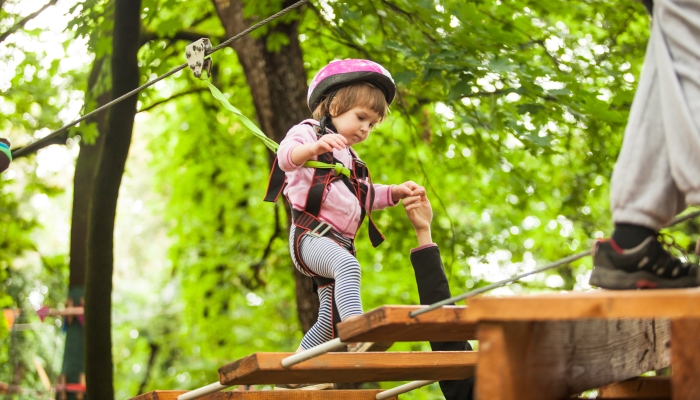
(108, 176)
(83, 184)
(277, 83)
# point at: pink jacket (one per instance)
(340, 207)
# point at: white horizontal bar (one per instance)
(203, 391)
(387, 394)
(312, 352)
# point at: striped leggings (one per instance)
(327, 258)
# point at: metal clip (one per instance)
(316, 234)
(195, 54)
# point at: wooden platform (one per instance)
(270, 395)
(266, 368)
(605, 304)
(393, 324)
(551, 346)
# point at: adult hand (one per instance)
(420, 213)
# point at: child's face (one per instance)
(356, 124)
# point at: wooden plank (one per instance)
(554, 359)
(608, 304)
(393, 324)
(685, 355)
(261, 368)
(648, 388)
(270, 395)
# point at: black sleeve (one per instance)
(433, 287)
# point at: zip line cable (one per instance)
(30, 147)
(498, 284)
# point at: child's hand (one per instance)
(419, 210)
(403, 190)
(328, 143)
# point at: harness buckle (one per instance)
(196, 53)
(315, 232)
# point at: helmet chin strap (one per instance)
(326, 121)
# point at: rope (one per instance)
(29, 148)
(498, 284)
(271, 144)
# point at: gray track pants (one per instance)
(658, 171)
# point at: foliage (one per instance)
(511, 113)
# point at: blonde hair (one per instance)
(360, 94)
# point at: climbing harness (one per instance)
(29, 148)
(307, 222)
(555, 264)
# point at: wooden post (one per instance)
(685, 357)
(554, 359)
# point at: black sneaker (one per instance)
(647, 266)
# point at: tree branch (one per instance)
(173, 97)
(26, 19)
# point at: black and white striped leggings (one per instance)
(327, 258)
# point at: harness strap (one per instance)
(307, 224)
(276, 183)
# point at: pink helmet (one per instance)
(344, 72)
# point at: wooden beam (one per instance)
(270, 395)
(393, 324)
(262, 368)
(685, 354)
(555, 359)
(608, 304)
(648, 388)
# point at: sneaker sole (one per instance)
(619, 280)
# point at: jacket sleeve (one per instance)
(298, 135)
(433, 287)
(382, 197)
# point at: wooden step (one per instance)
(648, 388)
(393, 324)
(266, 368)
(270, 395)
(607, 304)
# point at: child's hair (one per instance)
(361, 94)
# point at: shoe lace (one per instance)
(669, 245)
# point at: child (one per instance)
(347, 99)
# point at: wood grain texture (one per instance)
(262, 368)
(555, 359)
(393, 324)
(685, 356)
(270, 395)
(606, 304)
(650, 388)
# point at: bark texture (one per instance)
(83, 184)
(108, 176)
(277, 81)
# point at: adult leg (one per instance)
(657, 171)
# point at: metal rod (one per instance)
(203, 391)
(387, 394)
(313, 352)
(30, 147)
(473, 293)
(685, 218)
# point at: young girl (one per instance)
(347, 99)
